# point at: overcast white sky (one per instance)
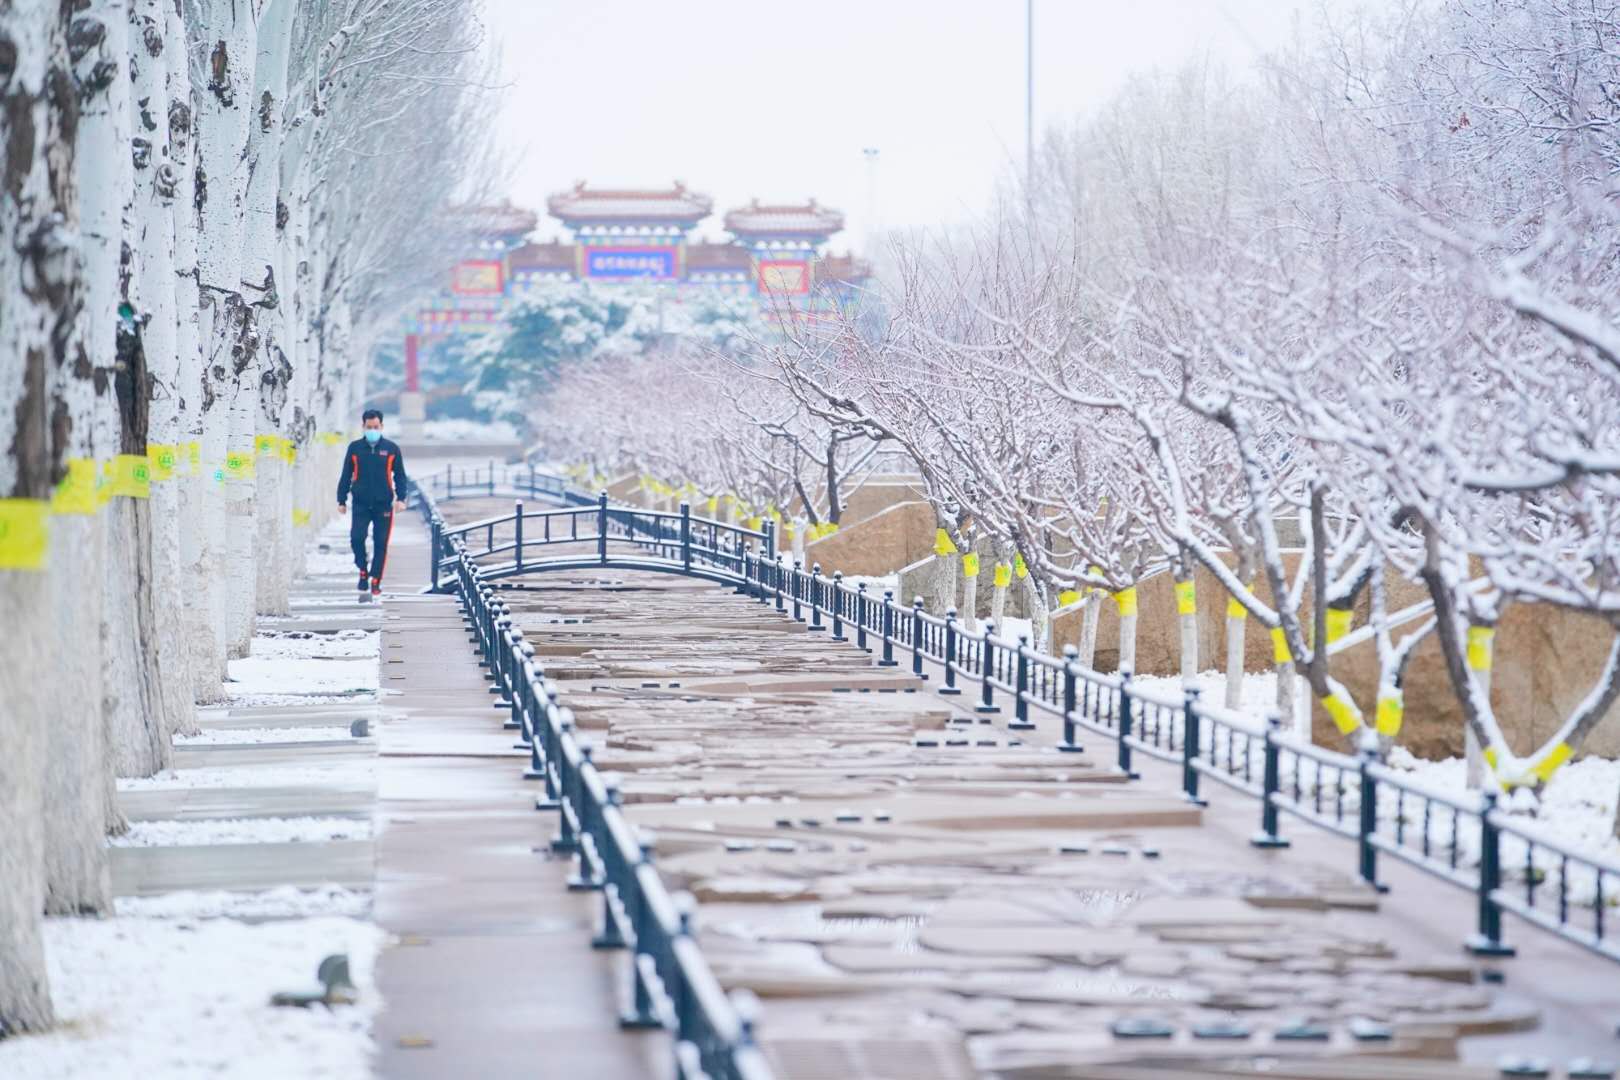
(777, 100)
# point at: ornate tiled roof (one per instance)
(502, 220)
(807, 220)
(846, 268)
(675, 204)
(547, 256)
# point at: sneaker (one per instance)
(376, 587)
(364, 583)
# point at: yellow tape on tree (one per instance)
(1338, 623)
(267, 445)
(1235, 609)
(76, 494)
(1343, 713)
(1020, 570)
(713, 505)
(1391, 711)
(162, 458)
(300, 518)
(1489, 754)
(754, 523)
(1480, 647)
(1068, 596)
(1543, 769)
(943, 544)
(1279, 646)
(1003, 575)
(1186, 598)
(1126, 599)
(289, 451)
(238, 465)
(970, 564)
(24, 534)
(194, 457)
(129, 475)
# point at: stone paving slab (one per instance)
(241, 867)
(203, 804)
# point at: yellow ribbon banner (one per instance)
(129, 475)
(1020, 570)
(24, 533)
(943, 544)
(1279, 646)
(1343, 713)
(970, 564)
(76, 494)
(1068, 596)
(1338, 623)
(238, 465)
(1126, 599)
(1003, 575)
(1543, 769)
(162, 457)
(1480, 647)
(1391, 711)
(1186, 598)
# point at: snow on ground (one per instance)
(256, 675)
(298, 830)
(345, 773)
(282, 902)
(189, 997)
(447, 431)
(306, 644)
(252, 736)
(875, 585)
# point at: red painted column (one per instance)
(413, 375)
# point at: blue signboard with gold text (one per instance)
(652, 263)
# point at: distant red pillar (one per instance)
(413, 372)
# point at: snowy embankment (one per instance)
(179, 984)
(1575, 810)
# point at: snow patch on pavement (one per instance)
(298, 830)
(338, 774)
(251, 736)
(306, 644)
(282, 902)
(184, 998)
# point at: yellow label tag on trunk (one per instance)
(300, 518)
(76, 494)
(1343, 713)
(1480, 647)
(1003, 575)
(1391, 711)
(1548, 765)
(1338, 623)
(267, 444)
(1126, 599)
(129, 475)
(289, 451)
(24, 534)
(194, 454)
(970, 564)
(1068, 596)
(943, 544)
(1019, 569)
(238, 465)
(162, 457)
(1235, 609)
(1186, 598)
(1279, 646)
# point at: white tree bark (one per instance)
(1235, 626)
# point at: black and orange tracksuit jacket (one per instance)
(374, 473)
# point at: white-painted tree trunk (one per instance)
(1090, 616)
(1234, 661)
(1127, 643)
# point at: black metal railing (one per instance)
(1468, 842)
(671, 984)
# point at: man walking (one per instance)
(374, 471)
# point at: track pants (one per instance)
(379, 519)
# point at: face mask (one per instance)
(372, 435)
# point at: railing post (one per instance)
(686, 536)
(1368, 818)
(987, 667)
(1488, 942)
(437, 549)
(837, 606)
(888, 631)
(1190, 739)
(601, 527)
(1021, 720)
(449, 482)
(1269, 837)
(777, 572)
(860, 616)
(1071, 656)
(770, 538)
(917, 638)
(1125, 723)
(518, 536)
(796, 586)
(815, 598)
(492, 478)
(950, 688)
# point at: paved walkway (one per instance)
(914, 891)
(493, 974)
